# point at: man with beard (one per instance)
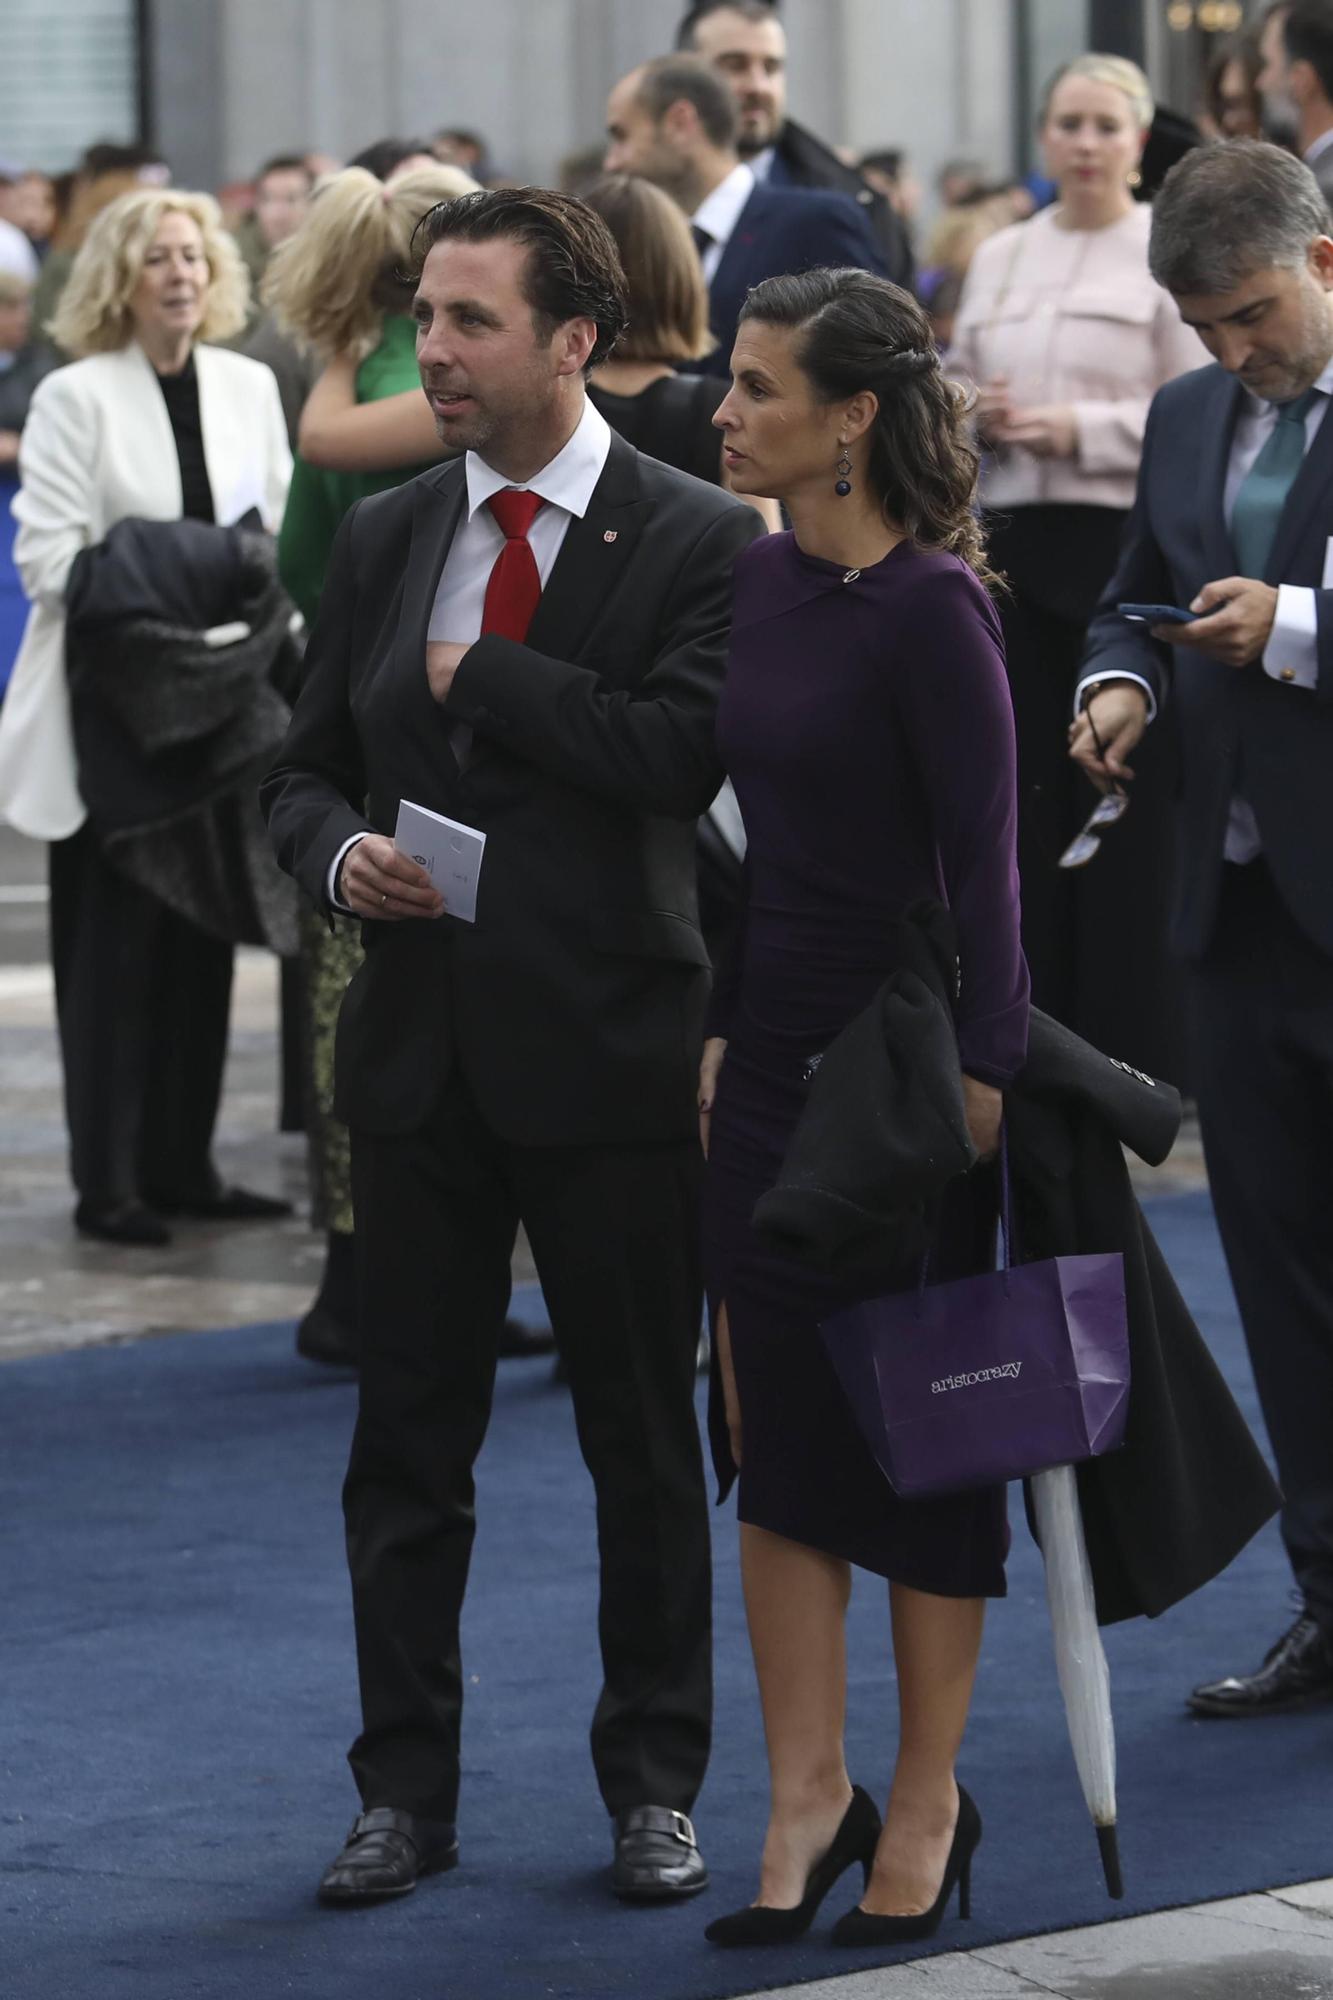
(744, 41)
(1232, 520)
(1296, 82)
(529, 640)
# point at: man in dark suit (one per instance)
(1296, 81)
(674, 122)
(1234, 520)
(744, 41)
(530, 640)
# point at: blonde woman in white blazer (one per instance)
(149, 422)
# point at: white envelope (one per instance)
(450, 852)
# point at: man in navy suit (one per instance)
(1234, 520)
(675, 122)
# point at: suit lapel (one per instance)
(1218, 426)
(593, 558)
(437, 508)
(1307, 492)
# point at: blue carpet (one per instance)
(176, 1666)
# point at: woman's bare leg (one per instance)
(936, 1642)
(796, 1606)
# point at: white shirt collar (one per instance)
(719, 212)
(568, 480)
(761, 165)
(1317, 149)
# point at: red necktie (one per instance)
(515, 588)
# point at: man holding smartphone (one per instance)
(1233, 518)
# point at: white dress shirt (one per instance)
(1291, 655)
(566, 485)
(1318, 147)
(719, 212)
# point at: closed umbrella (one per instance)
(1080, 1660)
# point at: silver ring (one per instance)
(384, 899)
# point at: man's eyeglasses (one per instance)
(1108, 809)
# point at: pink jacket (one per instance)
(1071, 317)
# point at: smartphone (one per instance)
(1157, 614)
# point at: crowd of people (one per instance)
(752, 576)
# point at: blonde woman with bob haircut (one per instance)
(638, 390)
(340, 286)
(150, 421)
(1066, 338)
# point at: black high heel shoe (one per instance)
(855, 1840)
(861, 1927)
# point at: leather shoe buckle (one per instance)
(683, 1828)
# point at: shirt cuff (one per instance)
(1292, 653)
(1102, 680)
(331, 879)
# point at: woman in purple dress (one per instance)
(867, 728)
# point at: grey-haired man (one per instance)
(1233, 520)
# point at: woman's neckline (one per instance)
(842, 570)
(1090, 228)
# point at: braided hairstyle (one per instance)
(858, 332)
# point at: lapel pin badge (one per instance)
(610, 535)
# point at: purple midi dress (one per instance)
(867, 728)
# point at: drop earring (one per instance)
(843, 483)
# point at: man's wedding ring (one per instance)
(384, 899)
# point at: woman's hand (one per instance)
(714, 1050)
(1047, 431)
(983, 1107)
(992, 410)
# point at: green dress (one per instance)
(316, 503)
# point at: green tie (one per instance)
(1264, 489)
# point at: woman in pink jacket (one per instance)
(1066, 338)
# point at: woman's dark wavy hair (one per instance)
(573, 269)
(858, 332)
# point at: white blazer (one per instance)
(98, 447)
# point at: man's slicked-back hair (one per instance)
(573, 268)
(749, 10)
(668, 80)
(1230, 209)
(1307, 35)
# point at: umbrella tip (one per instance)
(1108, 1842)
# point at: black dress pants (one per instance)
(143, 999)
(1261, 1016)
(1095, 938)
(614, 1231)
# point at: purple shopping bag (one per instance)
(987, 1379)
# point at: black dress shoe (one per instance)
(1296, 1673)
(322, 1336)
(226, 1204)
(121, 1222)
(385, 1853)
(657, 1857)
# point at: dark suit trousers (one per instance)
(1261, 1006)
(143, 998)
(1095, 938)
(614, 1231)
